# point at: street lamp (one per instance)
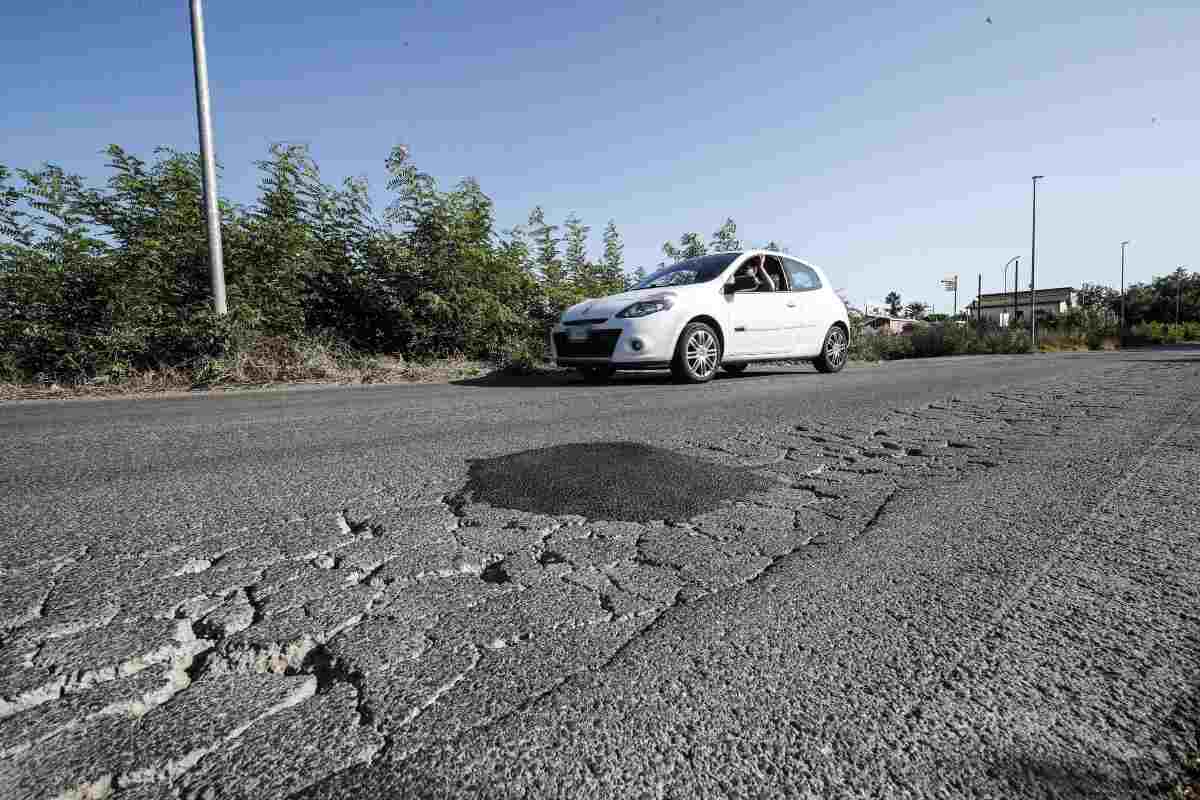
(216, 264)
(1014, 260)
(1179, 290)
(1123, 287)
(1033, 267)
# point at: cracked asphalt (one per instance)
(970, 577)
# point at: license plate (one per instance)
(577, 334)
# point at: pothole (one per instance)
(495, 573)
(608, 480)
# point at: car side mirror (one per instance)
(740, 283)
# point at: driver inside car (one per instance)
(754, 269)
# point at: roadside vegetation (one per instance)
(1094, 325)
(1188, 788)
(107, 286)
(937, 340)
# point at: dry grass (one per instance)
(1070, 343)
(270, 363)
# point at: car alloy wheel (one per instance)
(833, 355)
(701, 353)
(698, 354)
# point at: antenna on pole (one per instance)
(208, 163)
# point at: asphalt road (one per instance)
(971, 577)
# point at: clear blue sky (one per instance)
(891, 145)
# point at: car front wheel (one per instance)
(697, 354)
(834, 352)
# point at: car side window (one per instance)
(771, 265)
(804, 277)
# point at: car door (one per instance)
(758, 324)
(808, 307)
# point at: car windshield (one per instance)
(691, 270)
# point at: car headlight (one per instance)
(645, 308)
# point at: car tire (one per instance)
(734, 369)
(834, 351)
(697, 354)
(596, 374)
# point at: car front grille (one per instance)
(599, 344)
(585, 321)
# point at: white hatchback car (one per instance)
(719, 310)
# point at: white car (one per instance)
(719, 310)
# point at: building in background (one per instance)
(885, 325)
(998, 307)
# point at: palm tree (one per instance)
(893, 303)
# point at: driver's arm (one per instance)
(765, 277)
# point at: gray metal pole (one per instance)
(1178, 292)
(1123, 288)
(1033, 267)
(1004, 288)
(1016, 277)
(208, 162)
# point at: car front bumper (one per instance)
(641, 343)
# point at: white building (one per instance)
(999, 307)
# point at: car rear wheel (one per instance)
(697, 354)
(734, 369)
(834, 351)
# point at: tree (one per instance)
(775, 246)
(639, 275)
(612, 265)
(545, 249)
(690, 246)
(893, 303)
(452, 289)
(575, 263)
(724, 239)
(916, 310)
(1098, 305)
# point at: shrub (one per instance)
(861, 345)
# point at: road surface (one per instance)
(971, 577)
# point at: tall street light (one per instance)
(1033, 267)
(1017, 261)
(1123, 287)
(1179, 290)
(208, 162)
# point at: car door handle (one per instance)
(791, 305)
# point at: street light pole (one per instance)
(208, 162)
(1017, 261)
(1033, 267)
(1123, 288)
(1178, 291)
(1016, 288)
(979, 299)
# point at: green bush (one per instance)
(943, 340)
(861, 344)
(101, 283)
